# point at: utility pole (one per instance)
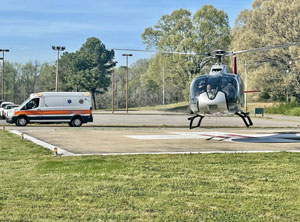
(113, 88)
(163, 85)
(2, 78)
(246, 83)
(57, 48)
(117, 92)
(126, 80)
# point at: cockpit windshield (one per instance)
(213, 84)
(229, 87)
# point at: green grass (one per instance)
(35, 186)
(291, 109)
(251, 106)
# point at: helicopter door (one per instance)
(231, 88)
(198, 86)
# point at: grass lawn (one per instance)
(35, 186)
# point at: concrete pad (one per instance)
(105, 141)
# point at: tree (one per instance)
(47, 78)
(29, 77)
(207, 30)
(89, 68)
(10, 86)
(271, 22)
(137, 91)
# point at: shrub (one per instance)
(292, 108)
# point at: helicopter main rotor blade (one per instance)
(153, 51)
(134, 50)
(266, 48)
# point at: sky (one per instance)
(29, 28)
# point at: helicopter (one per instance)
(218, 93)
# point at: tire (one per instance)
(76, 122)
(70, 124)
(22, 121)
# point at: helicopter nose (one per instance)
(213, 104)
(211, 93)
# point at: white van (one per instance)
(73, 108)
(2, 107)
(6, 109)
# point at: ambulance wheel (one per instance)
(22, 121)
(76, 122)
(70, 124)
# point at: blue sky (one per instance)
(30, 27)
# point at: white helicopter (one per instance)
(218, 92)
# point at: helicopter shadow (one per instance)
(278, 137)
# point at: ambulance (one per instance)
(74, 108)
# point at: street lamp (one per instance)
(3, 50)
(112, 86)
(57, 48)
(126, 80)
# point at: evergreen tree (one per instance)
(89, 68)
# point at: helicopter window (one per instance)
(199, 86)
(229, 87)
(213, 86)
(217, 70)
(214, 83)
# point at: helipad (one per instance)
(87, 141)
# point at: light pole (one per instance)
(163, 85)
(57, 48)
(112, 87)
(126, 80)
(2, 79)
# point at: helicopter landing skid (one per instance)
(246, 118)
(191, 119)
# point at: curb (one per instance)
(42, 143)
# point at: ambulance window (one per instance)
(32, 104)
(52, 102)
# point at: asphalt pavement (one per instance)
(156, 119)
(159, 132)
(89, 140)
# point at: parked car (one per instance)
(7, 108)
(2, 106)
